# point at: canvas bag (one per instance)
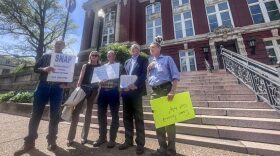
(76, 97)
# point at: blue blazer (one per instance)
(140, 70)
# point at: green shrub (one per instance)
(22, 97)
(122, 52)
(7, 96)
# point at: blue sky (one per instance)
(77, 16)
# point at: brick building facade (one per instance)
(193, 30)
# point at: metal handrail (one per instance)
(262, 79)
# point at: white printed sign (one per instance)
(64, 66)
(127, 80)
(106, 72)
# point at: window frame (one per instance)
(108, 34)
(154, 27)
(187, 58)
(182, 20)
(218, 14)
(263, 8)
(274, 45)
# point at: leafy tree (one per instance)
(36, 22)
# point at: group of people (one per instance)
(161, 73)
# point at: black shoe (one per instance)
(24, 149)
(52, 147)
(125, 145)
(99, 142)
(139, 150)
(83, 141)
(111, 144)
(69, 143)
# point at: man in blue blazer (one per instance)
(132, 100)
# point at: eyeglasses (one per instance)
(94, 55)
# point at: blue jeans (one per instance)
(44, 93)
(109, 97)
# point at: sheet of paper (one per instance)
(169, 112)
(106, 72)
(64, 66)
(127, 80)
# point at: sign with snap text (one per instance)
(64, 66)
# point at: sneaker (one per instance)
(24, 149)
(52, 147)
(125, 145)
(111, 144)
(99, 142)
(139, 150)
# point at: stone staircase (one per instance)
(227, 116)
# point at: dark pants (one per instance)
(165, 148)
(108, 97)
(45, 93)
(75, 117)
(133, 109)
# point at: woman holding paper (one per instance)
(91, 91)
(163, 76)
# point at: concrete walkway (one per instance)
(14, 128)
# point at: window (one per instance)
(218, 15)
(264, 10)
(273, 50)
(108, 34)
(153, 22)
(182, 19)
(187, 61)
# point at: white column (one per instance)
(241, 45)
(95, 32)
(118, 17)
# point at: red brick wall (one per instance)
(125, 17)
(167, 20)
(260, 53)
(87, 30)
(199, 53)
(140, 25)
(199, 17)
(240, 13)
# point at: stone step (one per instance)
(234, 112)
(246, 122)
(237, 112)
(187, 83)
(224, 92)
(213, 87)
(225, 104)
(223, 132)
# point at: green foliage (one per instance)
(22, 97)
(122, 52)
(7, 96)
(22, 68)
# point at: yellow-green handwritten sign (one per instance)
(169, 112)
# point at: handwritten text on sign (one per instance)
(170, 112)
(64, 67)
